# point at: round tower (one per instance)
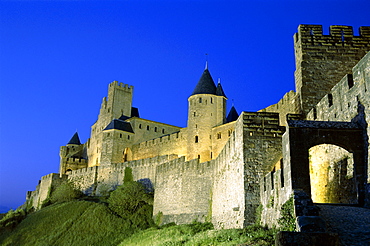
(207, 109)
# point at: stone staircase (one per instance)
(351, 223)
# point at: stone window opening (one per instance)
(120, 135)
(350, 81)
(195, 114)
(163, 131)
(147, 128)
(219, 135)
(196, 139)
(282, 172)
(198, 156)
(128, 136)
(155, 129)
(272, 178)
(330, 100)
(314, 113)
(139, 126)
(200, 100)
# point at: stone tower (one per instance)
(72, 156)
(117, 105)
(207, 109)
(323, 60)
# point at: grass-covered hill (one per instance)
(91, 223)
(122, 218)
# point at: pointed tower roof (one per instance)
(75, 140)
(205, 85)
(232, 116)
(219, 90)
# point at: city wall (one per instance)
(183, 191)
(99, 180)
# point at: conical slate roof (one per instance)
(75, 140)
(205, 85)
(219, 90)
(232, 116)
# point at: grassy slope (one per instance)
(89, 223)
(71, 223)
(185, 235)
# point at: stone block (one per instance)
(310, 224)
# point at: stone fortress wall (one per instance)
(243, 163)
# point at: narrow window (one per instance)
(211, 155)
(128, 136)
(272, 178)
(200, 100)
(198, 156)
(196, 139)
(120, 135)
(282, 172)
(211, 100)
(195, 114)
(163, 131)
(155, 129)
(350, 80)
(330, 100)
(314, 113)
(219, 135)
(139, 126)
(147, 127)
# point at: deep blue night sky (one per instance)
(57, 58)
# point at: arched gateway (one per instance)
(302, 135)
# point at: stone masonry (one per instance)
(222, 167)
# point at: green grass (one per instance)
(93, 223)
(186, 235)
(70, 223)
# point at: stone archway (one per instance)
(332, 176)
(302, 135)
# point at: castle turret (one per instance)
(207, 109)
(72, 156)
(323, 60)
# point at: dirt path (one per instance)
(351, 223)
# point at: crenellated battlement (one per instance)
(262, 123)
(314, 34)
(120, 85)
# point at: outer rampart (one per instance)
(183, 191)
(99, 180)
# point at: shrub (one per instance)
(12, 219)
(131, 202)
(287, 217)
(128, 175)
(65, 192)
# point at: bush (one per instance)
(287, 218)
(12, 219)
(131, 202)
(65, 192)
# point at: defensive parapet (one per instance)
(322, 60)
(262, 123)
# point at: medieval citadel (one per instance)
(223, 165)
